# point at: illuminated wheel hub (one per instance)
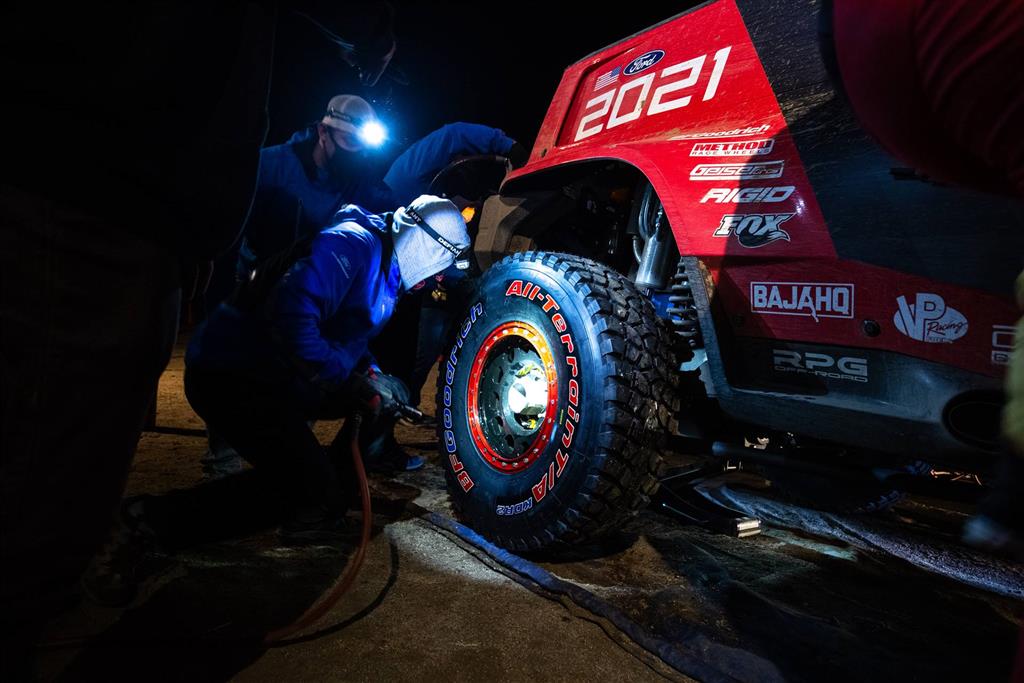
(513, 393)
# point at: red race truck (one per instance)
(705, 243)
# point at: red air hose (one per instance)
(329, 598)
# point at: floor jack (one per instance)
(681, 496)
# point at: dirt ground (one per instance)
(814, 597)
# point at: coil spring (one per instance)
(682, 309)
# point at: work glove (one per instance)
(518, 155)
(378, 393)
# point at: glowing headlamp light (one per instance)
(373, 134)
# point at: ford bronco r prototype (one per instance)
(705, 244)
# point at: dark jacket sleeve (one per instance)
(311, 292)
(411, 173)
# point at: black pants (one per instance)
(89, 315)
(269, 426)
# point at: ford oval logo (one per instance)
(643, 62)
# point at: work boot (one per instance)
(998, 525)
(110, 580)
(315, 525)
(220, 459)
(382, 454)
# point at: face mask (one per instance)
(343, 166)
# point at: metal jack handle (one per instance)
(679, 497)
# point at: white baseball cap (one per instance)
(348, 113)
(428, 235)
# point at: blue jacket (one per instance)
(411, 173)
(295, 198)
(318, 319)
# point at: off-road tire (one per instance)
(607, 466)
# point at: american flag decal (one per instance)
(607, 79)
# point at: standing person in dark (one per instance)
(301, 185)
(106, 192)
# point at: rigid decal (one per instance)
(748, 195)
(929, 319)
(809, 299)
(754, 230)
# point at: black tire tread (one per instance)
(640, 403)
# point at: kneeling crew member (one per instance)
(291, 345)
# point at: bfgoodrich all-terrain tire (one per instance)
(553, 401)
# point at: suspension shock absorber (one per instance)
(682, 308)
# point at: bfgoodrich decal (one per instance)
(929, 319)
(809, 299)
(734, 133)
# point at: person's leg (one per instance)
(89, 318)
(220, 459)
(270, 429)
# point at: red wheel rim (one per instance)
(523, 333)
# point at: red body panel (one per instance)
(689, 105)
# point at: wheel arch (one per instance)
(535, 199)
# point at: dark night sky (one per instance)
(464, 62)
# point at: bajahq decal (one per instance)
(754, 230)
(929, 319)
(809, 299)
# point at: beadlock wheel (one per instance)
(554, 397)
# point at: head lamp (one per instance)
(372, 134)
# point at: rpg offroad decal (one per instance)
(754, 230)
(748, 195)
(465, 481)
(657, 92)
(1002, 344)
(570, 417)
(826, 366)
(929, 319)
(742, 148)
(752, 170)
(809, 299)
